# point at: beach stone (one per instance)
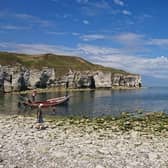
(1, 160)
(153, 156)
(99, 166)
(40, 126)
(138, 143)
(58, 154)
(53, 126)
(103, 151)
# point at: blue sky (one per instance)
(127, 34)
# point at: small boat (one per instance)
(49, 102)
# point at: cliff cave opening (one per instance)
(86, 82)
(92, 85)
(140, 85)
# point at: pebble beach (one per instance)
(79, 144)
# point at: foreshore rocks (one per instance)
(19, 78)
(78, 143)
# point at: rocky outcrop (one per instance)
(103, 79)
(41, 79)
(19, 78)
(126, 80)
(79, 79)
(100, 79)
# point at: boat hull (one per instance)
(48, 103)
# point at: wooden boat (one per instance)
(49, 102)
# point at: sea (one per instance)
(96, 103)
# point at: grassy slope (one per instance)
(61, 63)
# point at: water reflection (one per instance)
(97, 103)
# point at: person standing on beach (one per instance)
(33, 95)
(39, 114)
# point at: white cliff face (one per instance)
(116, 79)
(70, 79)
(34, 77)
(100, 79)
(103, 79)
(133, 80)
(16, 78)
(41, 78)
(8, 87)
(126, 80)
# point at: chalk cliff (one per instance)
(25, 72)
(19, 78)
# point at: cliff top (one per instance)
(60, 62)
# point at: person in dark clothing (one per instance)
(67, 85)
(40, 114)
(19, 105)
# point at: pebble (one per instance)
(99, 166)
(59, 154)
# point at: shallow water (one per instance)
(99, 102)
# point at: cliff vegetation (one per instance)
(59, 62)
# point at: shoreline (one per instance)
(81, 142)
(62, 89)
(153, 123)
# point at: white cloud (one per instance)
(158, 42)
(147, 16)
(95, 8)
(129, 36)
(26, 18)
(100, 5)
(118, 2)
(82, 1)
(130, 39)
(63, 33)
(126, 12)
(136, 41)
(127, 39)
(96, 50)
(85, 22)
(32, 19)
(92, 37)
(57, 33)
(13, 27)
(118, 58)
(37, 48)
(75, 34)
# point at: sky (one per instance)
(125, 34)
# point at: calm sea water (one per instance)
(99, 102)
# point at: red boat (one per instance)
(49, 102)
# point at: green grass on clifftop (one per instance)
(61, 63)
